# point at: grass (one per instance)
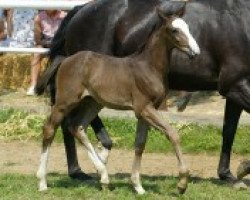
(24, 187)
(16, 125)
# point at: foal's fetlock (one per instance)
(42, 186)
(137, 185)
(105, 183)
(105, 187)
(183, 182)
(140, 190)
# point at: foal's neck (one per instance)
(157, 51)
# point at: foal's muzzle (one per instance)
(192, 53)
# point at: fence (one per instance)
(40, 5)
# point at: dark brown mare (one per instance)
(119, 27)
(136, 82)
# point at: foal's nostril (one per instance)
(192, 54)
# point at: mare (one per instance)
(120, 27)
(136, 82)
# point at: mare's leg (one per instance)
(231, 119)
(150, 114)
(140, 141)
(48, 135)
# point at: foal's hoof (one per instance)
(239, 185)
(140, 190)
(183, 183)
(182, 189)
(243, 169)
(42, 188)
(105, 187)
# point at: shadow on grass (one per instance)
(119, 180)
(122, 181)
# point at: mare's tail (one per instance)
(55, 55)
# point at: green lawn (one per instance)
(15, 186)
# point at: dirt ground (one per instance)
(23, 157)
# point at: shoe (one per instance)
(31, 91)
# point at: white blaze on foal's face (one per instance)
(182, 26)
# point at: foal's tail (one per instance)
(49, 74)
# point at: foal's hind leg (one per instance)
(102, 135)
(48, 135)
(84, 115)
(99, 165)
(150, 114)
(140, 141)
(59, 111)
(89, 110)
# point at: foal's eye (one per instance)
(174, 31)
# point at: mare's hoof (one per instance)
(239, 185)
(81, 176)
(227, 177)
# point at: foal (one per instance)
(132, 83)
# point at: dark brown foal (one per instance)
(132, 83)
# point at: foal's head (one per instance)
(177, 32)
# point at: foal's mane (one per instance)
(152, 31)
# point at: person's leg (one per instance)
(35, 70)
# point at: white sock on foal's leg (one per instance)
(41, 173)
(100, 166)
(103, 155)
(135, 175)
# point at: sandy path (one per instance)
(23, 158)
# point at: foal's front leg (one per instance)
(140, 141)
(151, 115)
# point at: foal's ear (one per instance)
(180, 10)
(161, 14)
